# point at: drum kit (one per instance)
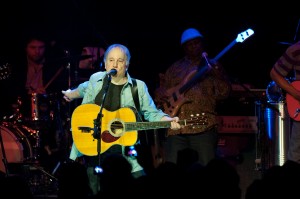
(20, 131)
(20, 142)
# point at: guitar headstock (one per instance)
(197, 120)
(241, 37)
(5, 71)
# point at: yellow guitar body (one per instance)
(112, 128)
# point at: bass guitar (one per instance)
(117, 127)
(175, 96)
(293, 105)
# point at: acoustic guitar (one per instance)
(116, 127)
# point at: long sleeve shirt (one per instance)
(148, 108)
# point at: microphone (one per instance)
(112, 72)
(204, 55)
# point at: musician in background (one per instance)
(202, 98)
(41, 71)
(119, 94)
(45, 65)
(288, 66)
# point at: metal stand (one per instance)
(98, 120)
(41, 182)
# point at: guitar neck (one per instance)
(136, 126)
(199, 74)
(195, 78)
(240, 38)
(225, 50)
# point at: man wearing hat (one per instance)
(187, 97)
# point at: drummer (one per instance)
(39, 73)
(44, 72)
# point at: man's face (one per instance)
(193, 47)
(116, 59)
(35, 50)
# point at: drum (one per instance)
(17, 146)
(275, 93)
(37, 110)
(274, 133)
(40, 107)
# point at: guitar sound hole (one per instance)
(117, 129)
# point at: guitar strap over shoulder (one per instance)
(135, 95)
(143, 139)
(134, 91)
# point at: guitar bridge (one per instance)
(85, 129)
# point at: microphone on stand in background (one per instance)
(210, 62)
(204, 55)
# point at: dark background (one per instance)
(152, 32)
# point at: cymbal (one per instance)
(76, 58)
(83, 57)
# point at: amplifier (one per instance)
(237, 124)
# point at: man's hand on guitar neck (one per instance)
(174, 122)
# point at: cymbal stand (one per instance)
(67, 54)
(69, 138)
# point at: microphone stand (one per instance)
(98, 120)
(69, 82)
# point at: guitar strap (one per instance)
(134, 91)
(135, 94)
(143, 139)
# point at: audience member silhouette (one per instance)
(186, 158)
(166, 180)
(222, 180)
(277, 181)
(73, 181)
(219, 179)
(116, 178)
(15, 187)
